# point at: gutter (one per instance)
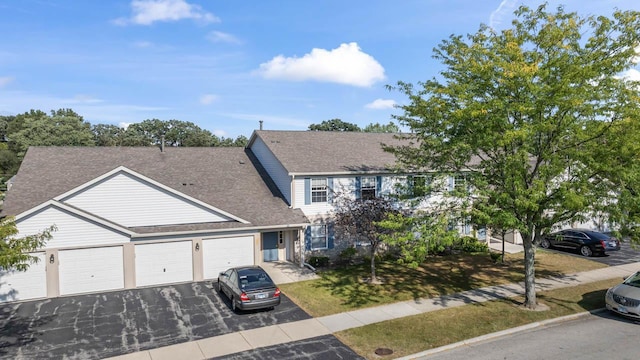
(215, 231)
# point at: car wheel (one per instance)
(234, 307)
(218, 286)
(545, 244)
(585, 250)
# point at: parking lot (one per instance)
(115, 323)
(626, 255)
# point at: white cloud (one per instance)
(146, 12)
(142, 44)
(631, 74)
(219, 133)
(379, 104)
(346, 64)
(219, 36)
(4, 81)
(124, 125)
(505, 9)
(208, 99)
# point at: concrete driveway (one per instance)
(109, 324)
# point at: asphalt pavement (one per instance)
(114, 323)
(597, 336)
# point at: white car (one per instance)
(624, 298)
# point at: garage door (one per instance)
(221, 254)
(91, 270)
(24, 285)
(164, 263)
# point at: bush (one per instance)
(319, 261)
(495, 256)
(348, 254)
(470, 244)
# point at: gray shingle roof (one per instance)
(229, 179)
(308, 152)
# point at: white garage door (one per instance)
(221, 254)
(24, 285)
(91, 270)
(163, 263)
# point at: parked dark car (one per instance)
(587, 242)
(624, 298)
(248, 288)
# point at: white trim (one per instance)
(122, 169)
(77, 212)
(214, 231)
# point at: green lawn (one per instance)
(434, 329)
(344, 289)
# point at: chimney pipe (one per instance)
(261, 124)
(162, 143)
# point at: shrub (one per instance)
(319, 261)
(470, 244)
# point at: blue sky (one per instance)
(225, 65)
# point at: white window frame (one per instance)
(368, 184)
(319, 234)
(318, 187)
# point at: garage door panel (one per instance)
(164, 263)
(91, 270)
(24, 285)
(221, 254)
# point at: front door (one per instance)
(270, 246)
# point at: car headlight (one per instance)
(609, 294)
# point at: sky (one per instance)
(225, 65)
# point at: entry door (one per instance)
(270, 246)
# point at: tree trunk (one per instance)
(373, 264)
(530, 301)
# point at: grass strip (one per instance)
(430, 330)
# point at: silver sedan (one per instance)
(624, 298)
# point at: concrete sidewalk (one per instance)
(305, 329)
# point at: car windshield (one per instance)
(250, 279)
(633, 280)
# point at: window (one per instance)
(319, 237)
(318, 190)
(460, 182)
(368, 187)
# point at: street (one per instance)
(600, 336)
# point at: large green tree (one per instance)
(531, 113)
(62, 127)
(334, 125)
(391, 127)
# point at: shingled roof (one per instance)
(230, 179)
(312, 152)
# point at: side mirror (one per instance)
(222, 274)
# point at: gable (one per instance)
(72, 229)
(129, 200)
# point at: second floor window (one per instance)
(368, 187)
(318, 190)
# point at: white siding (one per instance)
(129, 201)
(91, 270)
(24, 285)
(72, 230)
(274, 168)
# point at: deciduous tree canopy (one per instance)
(535, 114)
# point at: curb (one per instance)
(497, 334)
